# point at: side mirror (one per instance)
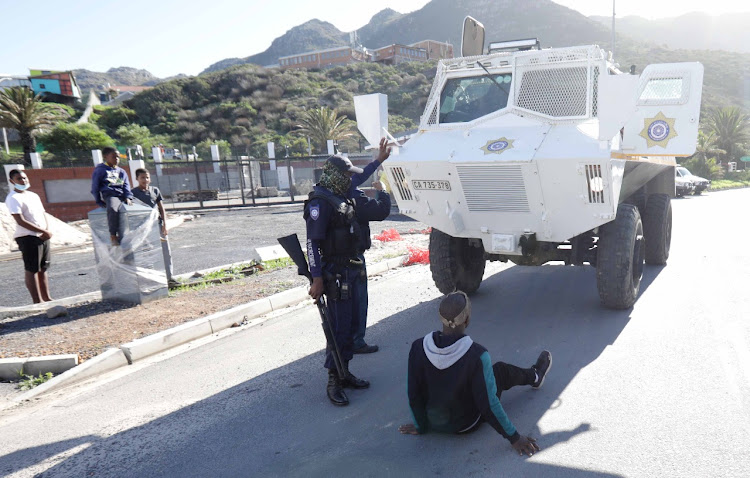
(472, 38)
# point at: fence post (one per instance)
(96, 154)
(241, 170)
(134, 165)
(156, 153)
(198, 183)
(331, 148)
(36, 161)
(289, 173)
(272, 156)
(252, 186)
(215, 157)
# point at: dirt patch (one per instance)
(90, 328)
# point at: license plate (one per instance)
(431, 185)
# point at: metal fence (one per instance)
(239, 180)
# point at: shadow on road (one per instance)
(281, 424)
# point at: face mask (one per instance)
(21, 187)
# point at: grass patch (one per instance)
(720, 184)
(215, 278)
(29, 381)
(278, 263)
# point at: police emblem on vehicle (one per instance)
(427, 185)
(497, 146)
(315, 212)
(657, 131)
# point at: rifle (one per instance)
(292, 247)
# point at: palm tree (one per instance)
(732, 130)
(322, 124)
(706, 146)
(24, 112)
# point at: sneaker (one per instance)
(366, 349)
(541, 367)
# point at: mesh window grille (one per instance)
(556, 92)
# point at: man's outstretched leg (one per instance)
(508, 376)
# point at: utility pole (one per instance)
(613, 30)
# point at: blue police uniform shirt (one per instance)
(319, 215)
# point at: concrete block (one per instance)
(56, 364)
(57, 311)
(396, 262)
(289, 297)
(166, 339)
(377, 268)
(11, 368)
(106, 361)
(225, 319)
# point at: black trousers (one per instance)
(507, 376)
(113, 214)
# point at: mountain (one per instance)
(311, 35)
(441, 20)
(123, 75)
(692, 31)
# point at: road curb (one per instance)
(11, 368)
(139, 349)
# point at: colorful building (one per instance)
(396, 53)
(61, 84)
(436, 50)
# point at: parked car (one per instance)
(683, 184)
(701, 184)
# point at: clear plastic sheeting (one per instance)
(134, 271)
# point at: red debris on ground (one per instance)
(417, 256)
(423, 231)
(388, 235)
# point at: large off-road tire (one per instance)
(657, 227)
(455, 264)
(620, 255)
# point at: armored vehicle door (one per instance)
(667, 110)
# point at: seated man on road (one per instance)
(453, 386)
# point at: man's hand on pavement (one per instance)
(316, 290)
(526, 446)
(385, 150)
(408, 429)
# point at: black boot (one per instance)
(350, 381)
(335, 393)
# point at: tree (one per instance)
(25, 112)
(204, 149)
(75, 137)
(322, 124)
(731, 128)
(109, 118)
(703, 162)
(133, 134)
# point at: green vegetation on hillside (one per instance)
(249, 105)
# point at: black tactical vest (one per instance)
(343, 231)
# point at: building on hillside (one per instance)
(115, 94)
(10, 81)
(324, 58)
(390, 55)
(436, 50)
(396, 53)
(58, 86)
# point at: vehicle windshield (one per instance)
(684, 172)
(466, 99)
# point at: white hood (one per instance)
(444, 358)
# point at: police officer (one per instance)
(332, 237)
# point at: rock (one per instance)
(56, 311)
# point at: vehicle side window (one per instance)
(466, 99)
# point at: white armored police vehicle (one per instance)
(534, 155)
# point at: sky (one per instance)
(167, 37)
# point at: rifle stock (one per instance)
(291, 245)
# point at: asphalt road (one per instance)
(662, 390)
(214, 238)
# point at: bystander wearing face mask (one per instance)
(21, 187)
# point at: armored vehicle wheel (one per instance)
(455, 264)
(657, 227)
(620, 255)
